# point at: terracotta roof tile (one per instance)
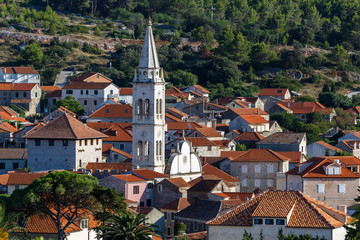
(109, 166)
(283, 138)
(179, 182)
(23, 178)
(86, 85)
(19, 70)
(117, 134)
(306, 212)
(232, 154)
(200, 141)
(50, 88)
(129, 178)
(125, 91)
(331, 147)
(4, 178)
(172, 117)
(6, 86)
(249, 136)
(53, 94)
(12, 153)
(193, 236)
(177, 205)
(248, 111)
(295, 157)
(211, 170)
(65, 127)
(149, 174)
(183, 125)
(105, 125)
(173, 90)
(261, 155)
(273, 92)
(202, 89)
(20, 101)
(113, 111)
(176, 111)
(254, 119)
(23, 86)
(208, 132)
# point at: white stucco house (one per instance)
(321, 148)
(249, 123)
(64, 143)
(19, 75)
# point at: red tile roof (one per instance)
(149, 174)
(183, 125)
(248, 111)
(65, 127)
(173, 90)
(202, 89)
(129, 178)
(208, 132)
(23, 86)
(172, 117)
(121, 152)
(249, 136)
(113, 111)
(261, 155)
(295, 157)
(23, 178)
(176, 111)
(53, 94)
(117, 133)
(193, 236)
(211, 170)
(50, 88)
(331, 147)
(200, 141)
(6, 86)
(292, 105)
(301, 210)
(4, 178)
(105, 125)
(177, 205)
(19, 70)
(232, 154)
(125, 91)
(273, 92)
(254, 119)
(179, 182)
(317, 169)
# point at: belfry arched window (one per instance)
(147, 107)
(160, 106)
(147, 148)
(140, 107)
(140, 149)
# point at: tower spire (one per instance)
(149, 58)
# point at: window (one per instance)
(85, 102)
(257, 183)
(36, 94)
(150, 185)
(280, 221)
(321, 188)
(85, 141)
(87, 92)
(54, 101)
(17, 187)
(341, 188)
(270, 182)
(140, 107)
(2, 165)
(147, 148)
(297, 185)
(81, 92)
(258, 221)
(195, 226)
(291, 186)
(337, 170)
(165, 215)
(122, 146)
(172, 216)
(209, 148)
(257, 168)
(97, 141)
(140, 149)
(269, 221)
(148, 202)
(168, 232)
(15, 165)
(135, 189)
(37, 142)
(95, 102)
(24, 94)
(160, 188)
(69, 91)
(96, 92)
(244, 168)
(65, 143)
(111, 91)
(80, 142)
(84, 223)
(91, 142)
(147, 107)
(17, 94)
(51, 142)
(116, 157)
(270, 168)
(244, 182)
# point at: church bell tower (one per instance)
(148, 122)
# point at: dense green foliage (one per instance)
(71, 104)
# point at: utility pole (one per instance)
(212, 12)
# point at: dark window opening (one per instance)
(37, 142)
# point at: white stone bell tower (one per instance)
(148, 126)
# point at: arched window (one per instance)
(160, 106)
(157, 148)
(147, 148)
(140, 107)
(147, 107)
(157, 107)
(140, 149)
(160, 148)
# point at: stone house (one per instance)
(321, 148)
(12, 159)
(119, 137)
(112, 113)
(260, 168)
(177, 113)
(327, 180)
(169, 211)
(292, 211)
(284, 141)
(52, 98)
(232, 113)
(77, 143)
(57, 113)
(169, 190)
(205, 110)
(19, 75)
(114, 155)
(90, 94)
(198, 89)
(133, 187)
(210, 170)
(125, 95)
(20, 180)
